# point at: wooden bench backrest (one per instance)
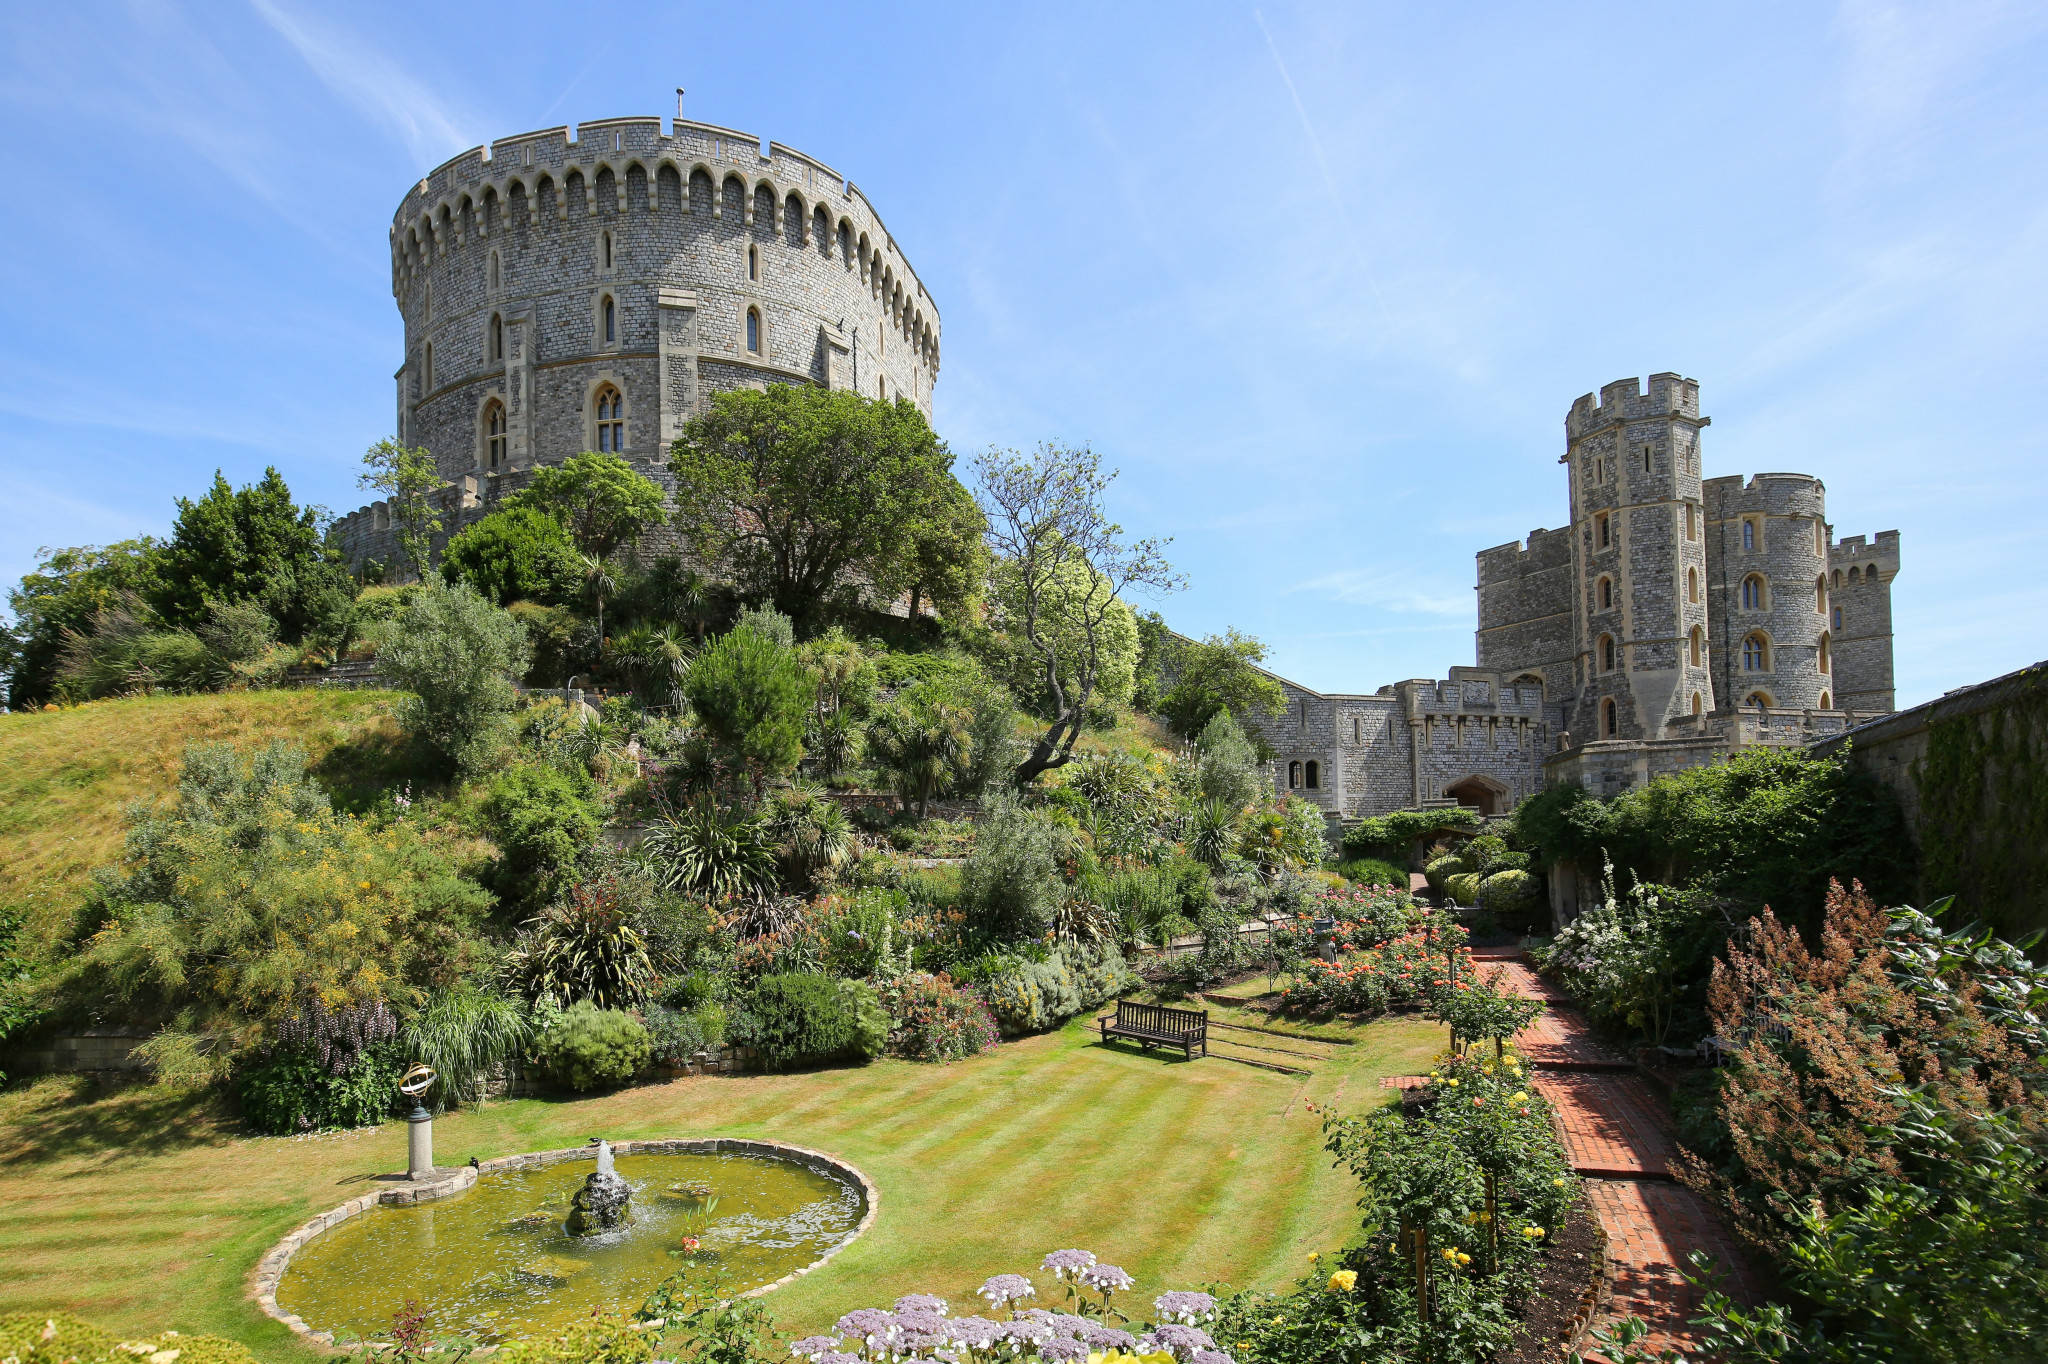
(1160, 1019)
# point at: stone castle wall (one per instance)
(541, 270)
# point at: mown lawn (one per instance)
(143, 1210)
(67, 776)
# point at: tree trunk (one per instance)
(916, 594)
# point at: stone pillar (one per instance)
(419, 1144)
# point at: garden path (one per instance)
(1617, 1135)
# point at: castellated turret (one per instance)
(590, 289)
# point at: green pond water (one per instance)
(495, 1263)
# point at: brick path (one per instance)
(1617, 1135)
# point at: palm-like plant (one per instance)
(811, 834)
(656, 661)
(710, 851)
(1214, 832)
(601, 580)
(583, 948)
(920, 741)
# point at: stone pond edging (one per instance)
(269, 1271)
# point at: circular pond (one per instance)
(497, 1261)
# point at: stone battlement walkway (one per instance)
(1617, 1135)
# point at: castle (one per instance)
(1674, 620)
(589, 290)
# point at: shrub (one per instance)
(1032, 996)
(1514, 897)
(750, 698)
(1371, 871)
(937, 1022)
(805, 1018)
(458, 655)
(1287, 835)
(466, 1035)
(1462, 887)
(1400, 970)
(1228, 770)
(1392, 836)
(543, 818)
(704, 849)
(1011, 884)
(585, 1047)
(291, 1091)
(1450, 864)
(516, 554)
(678, 1034)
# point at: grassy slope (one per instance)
(67, 776)
(142, 1210)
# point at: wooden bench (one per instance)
(1155, 1025)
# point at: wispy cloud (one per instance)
(1396, 591)
(377, 86)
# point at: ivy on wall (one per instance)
(1983, 786)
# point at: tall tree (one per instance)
(599, 499)
(64, 595)
(804, 489)
(408, 478)
(1208, 677)
(1064, 566)
(250, 544)
(750, 696)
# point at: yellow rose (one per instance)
(1314, 1255)
(1451, 1255)
(1343, 1281)
(1521, 1096)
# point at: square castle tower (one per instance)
(1675, 620)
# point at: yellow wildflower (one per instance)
(1451, 1255)
(1343, 1281)
(1314, 1255)
(1521, 1096)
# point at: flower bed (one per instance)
(1400, 970)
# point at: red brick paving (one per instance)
(1616, 1133)
(1613, 1127)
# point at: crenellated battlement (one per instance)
(559, 175)
(1670, 396)
(1878, 555)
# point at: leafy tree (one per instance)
(750, 698)
(458, 655)
(409, 480)
(1011, 883)
(948, 561)
(516, 554)
(805, 489)
(543, 818)
(599, 499)
(1228, 769)
(251, 544)
(1204, 678)
(65, 594)
(1062, 569)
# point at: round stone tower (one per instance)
(564, 293)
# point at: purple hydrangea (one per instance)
(1106, 1338)
(918, 1333)
(1210, 1357)
(869, 1325)
(1180, 1341)
(974, 1333)
(814, 1347)
(1006, 1288)
(1019, 1336)
(921, 1302)
(1061, 1350)
(1065, 1323)
(1186, 1307)
(1106, 1278)
(1065, 1262)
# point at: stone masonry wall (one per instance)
(504, 260)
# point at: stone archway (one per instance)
(1483, 794)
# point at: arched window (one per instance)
(1692, 584)
(611, 321)
(1607, 719)
(1820, 594)
(1756, 654)
(1606, 531)
(497, 337)
(1820, 537)
(494, 436)
(1754, 595)
(1695, 703)
(1607, 653)
(1294, 776)
(1826, 702)
(427, 369)
(754, 330)
(1757, 700)
(611, 420)
(1838, 578)
(1835, 618)
(1825, 656)
(607, 250)
(1697, 645)
(1748, 534)
(1692, 530)
(1854, 577)
(1314, 776)
(1607, 594)
(1870, 574)
(754, 262)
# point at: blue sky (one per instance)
(1321, 280)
